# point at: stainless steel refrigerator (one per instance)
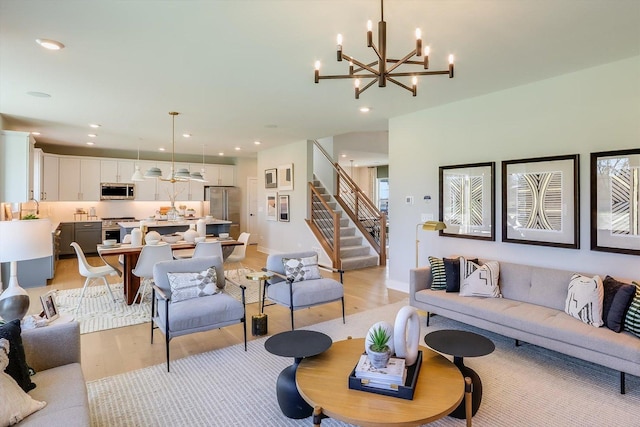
(224, 203)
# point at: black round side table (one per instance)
(297, 344)
(461, 344)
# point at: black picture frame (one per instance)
(615, 201)
(467, 200)
(540, 201)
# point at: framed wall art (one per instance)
(283, 208)
(615, 201)
(49, 306)
(540, 201)
(270, 178)
(272, 208)
(285, 177)
(467, 200)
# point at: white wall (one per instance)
(597, 109)
(245, 168)
(275, 236)
(322, 167)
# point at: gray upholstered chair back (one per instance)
(274, 262)
(188, 265)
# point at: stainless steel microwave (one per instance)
(117, 191)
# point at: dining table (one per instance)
(130, 254)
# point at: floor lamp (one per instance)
(427, 226)
(21, 241)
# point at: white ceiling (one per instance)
(242, 70)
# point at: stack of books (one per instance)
(390, 377)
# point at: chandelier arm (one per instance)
(346, 76)
(375, 49)
(391, 61)
(368, 85)
(399, 84)
(362, 65)
(371, 64)
(418, 73)
(401, 61)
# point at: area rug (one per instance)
(251, 293)
(524, 386)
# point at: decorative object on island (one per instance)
(467, 200)
(377, 345)
(21, 241)
(540, 201)
(427, 226)
(384, 74)
(406, 334)
(615, 201)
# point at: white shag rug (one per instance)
(523, 386)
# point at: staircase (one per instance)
(353, 254)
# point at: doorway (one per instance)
(252, 211)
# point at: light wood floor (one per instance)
(115, 351)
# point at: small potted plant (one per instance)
(379, 350)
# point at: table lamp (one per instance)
(428, 226)
(21, 241)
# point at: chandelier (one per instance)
(181, 174)
(385, 66)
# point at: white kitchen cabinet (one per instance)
(79, 179)
(116, 170)
(146, 190)
(222, 175)
(16, 166)
(50, 172)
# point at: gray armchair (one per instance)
(296, 295)
(196, 314)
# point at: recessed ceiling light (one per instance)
(186, 135)
(161, 149)
(94, 125)
(365, 109)
(237, 148)
(220, 154)
(90, 142)
(257, 142)
(39, 94)
(50, 44)
(35, 133)
(344, 155)
(91, 135)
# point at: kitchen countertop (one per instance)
(136, 224)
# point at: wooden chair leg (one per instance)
(468, 389)
(317, 416)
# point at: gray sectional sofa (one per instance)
(54, 353)
(532, 310)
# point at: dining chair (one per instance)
(177, 314)
(202, 249)
(91, 273)
(149, 256)
(239, 254)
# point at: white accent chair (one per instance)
(202, 249)
(296, 295)
(239, 254)
(91, 273)
(149, 256)
(196, 314)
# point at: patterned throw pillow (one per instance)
(439, 278)
(17, 368)
(632, 319)
(299, 269)
(584, 299)
(479, 280)
(617, 297)
(193, 285)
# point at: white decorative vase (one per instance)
(136, 237)
(379, 359)
(191, 234)
(406, 334)
(201, 227)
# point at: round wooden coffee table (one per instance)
(323, 382)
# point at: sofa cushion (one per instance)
(452, 273)
(17, 369)
(306, 293)
(192, 285)
(196, 313)
(617, 297)
(632, 318)
(439, 281)
(481, 281)
(584, 299)
(303, 268)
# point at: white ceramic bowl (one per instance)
(223, 235)
(200, 239)
(152, 242)
(171, 238)
(109, 242)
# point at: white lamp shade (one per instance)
(183, 173)
(26, 239)
(137, 175)
(153, 172)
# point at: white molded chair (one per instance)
(91, 272)
(126, 239)
(149, 256)
(238, 255)
(202, 249)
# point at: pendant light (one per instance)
(199, 176)
(137, 175)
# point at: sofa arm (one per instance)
(419, 279)
(52, 346)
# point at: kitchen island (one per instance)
(214, 226)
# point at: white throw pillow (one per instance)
(193, 285)
(584, 299)
(479, 280)
(15, 404)
(300, 269)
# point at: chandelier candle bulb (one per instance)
(369, 33)
(451, 66)
(339, 51)
(414, 81)
(418, 42)
(426, 57)
(356, 84)
(317, 72)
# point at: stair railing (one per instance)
(371, 222)
(325, 225)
